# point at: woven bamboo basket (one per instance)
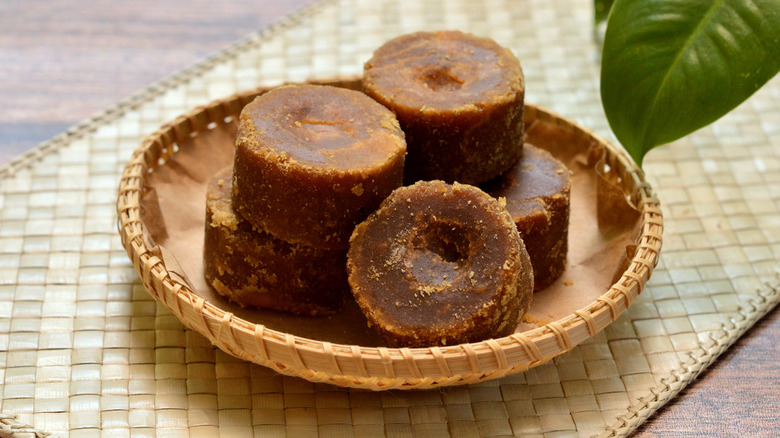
(375, 368)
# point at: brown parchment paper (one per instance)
(603, 230)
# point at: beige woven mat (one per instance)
(84, 349)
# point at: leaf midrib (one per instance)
(688, 43)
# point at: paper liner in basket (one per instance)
(605, 228)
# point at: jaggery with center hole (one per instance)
(312, 161)
(537, 192)
(253, 268)
(459, 99)
(440, 264)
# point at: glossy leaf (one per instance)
(670, 67)
(601, 10)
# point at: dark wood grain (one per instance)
(64, 60)
(739, 395)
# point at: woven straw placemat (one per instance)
(84, 349)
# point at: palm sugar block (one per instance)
(253, 268)
(440, 264)
(537, 192)
(459, 99)
(312, 161)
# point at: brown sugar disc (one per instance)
(440, 264)
(312, 161)
(459, 99)
(253, 268)
(537, 192)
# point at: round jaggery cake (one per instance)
(312, 161)
(537, 192)
(440, 264)
(459, 99)
(255, 269)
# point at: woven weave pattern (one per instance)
(208, 128)
(84, 348)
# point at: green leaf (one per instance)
(601, 10)
(670, 67)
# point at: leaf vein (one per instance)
(674, 65)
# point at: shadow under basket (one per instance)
(614, 244)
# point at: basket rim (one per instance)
(376, 368)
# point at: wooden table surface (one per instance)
(62, 61)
